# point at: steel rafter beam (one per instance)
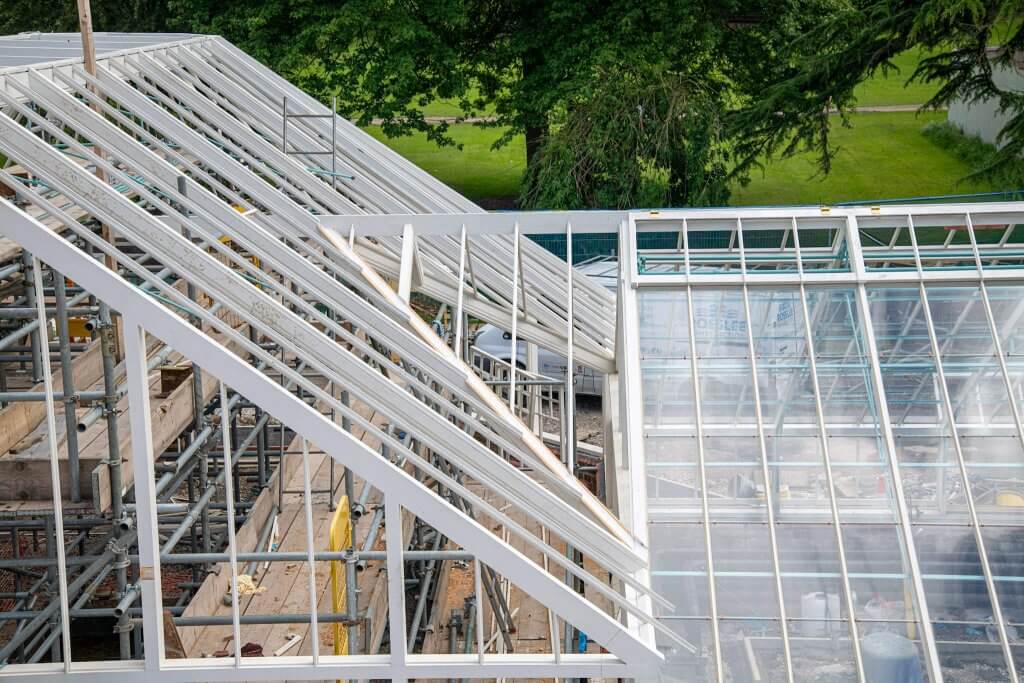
(639, 656)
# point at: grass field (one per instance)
(882, 156)
(476, 170)
(892, 88)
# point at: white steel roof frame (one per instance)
(631, 655)
(105, 197)
(164, 67)
(367, 316)
(53, 100)
(391, 183)
(444, 199)
(299, 269)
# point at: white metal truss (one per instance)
(193, 178)
(141, 311)
(230, 97)
(190, 140)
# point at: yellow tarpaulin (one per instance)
(340, 540)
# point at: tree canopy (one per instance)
(620, 102)
(132, 16)
(965, 40)
(536, 68)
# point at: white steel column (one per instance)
(57, 496)
(459, 312)
(570, 361)
(229, 499)
(631, 418)
(931, 653)
(307, 498)
(410, 275)
(479, 612)
(514, 358)
(144, 462)
(709, 559)
(766, 474)
(947, 405)
(394, 543)
(823, 436)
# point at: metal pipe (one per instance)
(421, 601)
(198, 441)
(18, 312)
(319, 556)
(30, 327)
(96, 565)
(108, 351)
(89, 418)
(204, 499)
(30, 297)
(25, 396)
(18, 356)
(268, 527)
(8, 271)
(467, 645)
(352, 596)
(73, 611)
(291, 618)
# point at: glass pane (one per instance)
(959, 602)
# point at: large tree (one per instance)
(519, 63)
(815, 77)
(641, 135)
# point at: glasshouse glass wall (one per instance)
(798, 530)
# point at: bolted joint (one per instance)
(106, 332)
(124, 625)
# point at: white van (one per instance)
(498, 343)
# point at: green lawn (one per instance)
(891, 88)
(451, 107)
(476, 170)
(883, 156)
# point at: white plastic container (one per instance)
(815, 609)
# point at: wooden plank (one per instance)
(208, 599)
(18, 419)
(25, 475)
(170, 416)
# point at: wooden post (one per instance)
(89, 58)
(88, 47)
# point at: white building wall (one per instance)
(983, 118)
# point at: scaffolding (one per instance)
(195, 456)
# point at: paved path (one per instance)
(876, 109)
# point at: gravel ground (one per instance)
(589, 427)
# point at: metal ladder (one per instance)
(285, 116)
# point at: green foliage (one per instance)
(977, 154)
(528, 66)
(821, 70)
(473, 168)
(136, 16)
(891, 87)
(881, 156)
(639, 138)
